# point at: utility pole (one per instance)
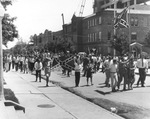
(64, 36)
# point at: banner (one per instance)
(64, 61)
(121, 19)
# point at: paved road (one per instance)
(139, 96)
(52, 102)
(135, 101)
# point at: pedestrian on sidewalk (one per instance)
(142, 65)
(77, 71)
(47, 69)
(90, 71)
(106, 66)
(38, 67)
(113, 74)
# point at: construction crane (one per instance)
(82, 8)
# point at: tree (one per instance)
(120, 44)
(9, 31)
(20, 49)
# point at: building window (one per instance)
(132, 21)
(88, 24)
(100, 20)
(136, 22)
(133, 36)
(90, 37)
(95, 21)
(95, 36)
(100, 36)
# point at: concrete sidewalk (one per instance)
(52, 102)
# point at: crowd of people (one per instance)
(116, 69)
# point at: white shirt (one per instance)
(113, 67)
(38, 66)
(140, 65)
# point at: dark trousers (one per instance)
(16, 66)
(13, 64)
(123, 76)
(77, 78)
(38, 75)
(9, 66)
(142, 76)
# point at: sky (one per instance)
(35, 16)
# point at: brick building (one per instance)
(96, 30)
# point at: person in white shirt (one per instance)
(106, 65)
(77, 72)
(113, 74)
(142, 65)
(38, 67)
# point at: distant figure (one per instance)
(47, 69)
(113, 74)
(77, 72)
(38, 67)
(142, 65)
(106, 65)
(89, 73)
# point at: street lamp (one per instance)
(2, 11)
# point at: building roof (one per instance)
(131, 11)
(91, 15)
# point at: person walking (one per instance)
(89, 74)
(132, 68)
(122, 72)
(77, 71)
(142, 65)
(47, 69)
(38, 67)
(113, 74)
(106, 65)
(85, 64)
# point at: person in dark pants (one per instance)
(142, 64)
(77, 72)
(85, 64)
(122, 72)
(38, 67)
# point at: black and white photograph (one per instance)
(74, 59)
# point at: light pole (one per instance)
(1, 54)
